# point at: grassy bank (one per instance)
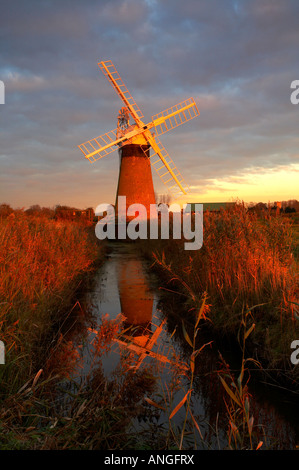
(43, 262)
(247, 264)
(42, 266)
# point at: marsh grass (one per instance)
(50, 413)
(42, 263)
(247, 260)
(243, 432)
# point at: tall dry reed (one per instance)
(41, 262)
(246, 261)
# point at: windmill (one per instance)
(134, 142)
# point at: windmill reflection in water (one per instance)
(143, 333)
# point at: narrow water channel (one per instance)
(126, 297)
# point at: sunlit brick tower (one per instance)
(135, 180)
(135, 177)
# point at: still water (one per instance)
(132, 332)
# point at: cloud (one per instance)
(236, 60)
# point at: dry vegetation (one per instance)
(243, 282)
(247, 263)
(41, 266)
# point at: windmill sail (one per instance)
(166, 169)
(114, 78)
(175, 116)
(103, 145)
(100, 146)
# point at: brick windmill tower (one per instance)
(134, 143)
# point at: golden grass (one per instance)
(41, 261)
(246, 262)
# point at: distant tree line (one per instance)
(71, 213)
(57, 213)
(287, 207)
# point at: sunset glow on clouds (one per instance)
(247, 188)
(237, 59)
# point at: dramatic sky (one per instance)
(236, 58)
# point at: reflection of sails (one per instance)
(140, 334)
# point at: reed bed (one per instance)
(246, 262)
(42, 263)
(244, 271)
